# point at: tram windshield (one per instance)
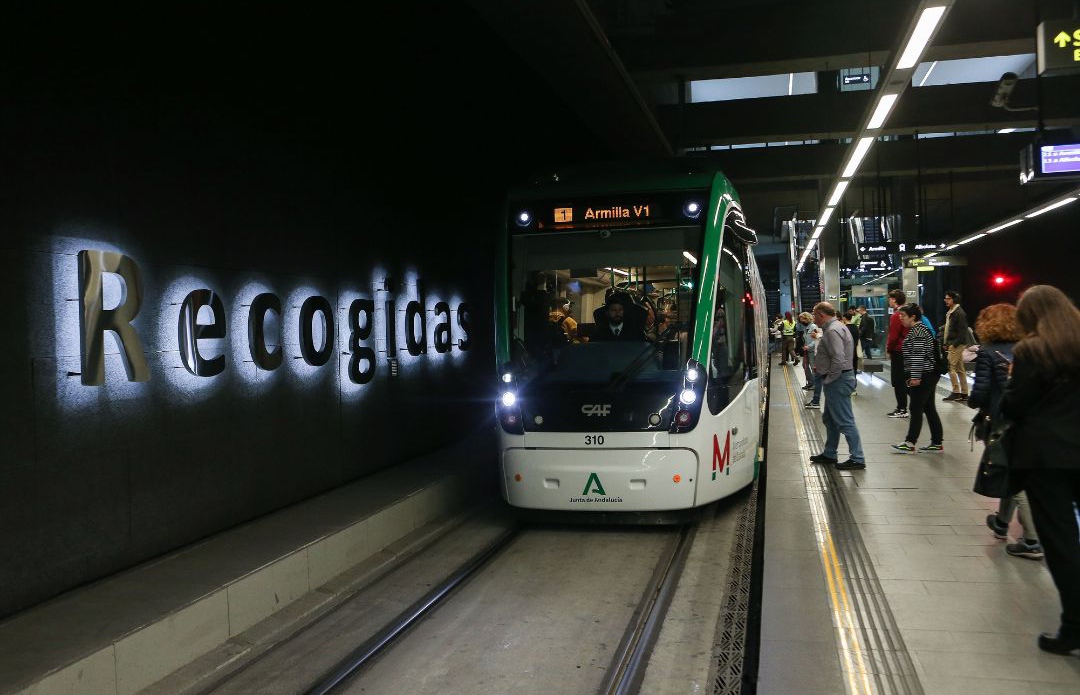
(603, 308)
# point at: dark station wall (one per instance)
(294, 152)
(1039, 251)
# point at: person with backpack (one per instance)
(920, 358)
(563, 327)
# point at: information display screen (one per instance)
(1060, 159)
(1059, 162)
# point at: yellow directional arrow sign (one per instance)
(1058, 45)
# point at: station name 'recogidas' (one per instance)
(192, 326)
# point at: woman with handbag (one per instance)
(1042, 399)
(999, 330)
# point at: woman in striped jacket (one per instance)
(922, 378)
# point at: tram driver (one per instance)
(619, 320)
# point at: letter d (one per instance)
(94, 320)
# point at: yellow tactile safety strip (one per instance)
(852, 660)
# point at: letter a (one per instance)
(94, 320)
(598, 489)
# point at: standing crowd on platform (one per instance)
(1027, 396)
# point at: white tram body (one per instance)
(670, 421)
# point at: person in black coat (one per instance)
(620, 319)
(999, 330)
(1043, 400)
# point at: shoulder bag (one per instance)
(992, 478)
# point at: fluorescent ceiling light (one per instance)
(790, 82)
(825, 215)
(1050, 207)
(927, 75)
(971, 238)
(856, 158)
(930, 255)
(838, 192)
(950, 248)
(885, 103)
(618, 272)
(1003, 131)
(809, 246)
(817, 233)
(920, 37)
(1002, 226)
(690, 257)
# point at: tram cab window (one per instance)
(728, 358)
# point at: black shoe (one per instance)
(850, 465)
(1001, 530)
(808, 387)
(822, 458)
(952, 397)
(1056, 644)
(961, 398)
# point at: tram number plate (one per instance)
(594, 440)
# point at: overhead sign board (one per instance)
(883, 247)
(935, 262)
(857, 78)
(927, 246)
(1058, 46)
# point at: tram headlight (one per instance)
(507, 378)
(690, 397)
(509, 400)
(523, 218)
(692, 209)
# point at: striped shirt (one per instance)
(919, 352)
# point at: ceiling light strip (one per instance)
(928, 22)
(838, 193)
(885, 104)
(1050, 207)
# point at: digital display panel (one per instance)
(1060, 159)
(608, 211)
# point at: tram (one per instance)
(654, 398)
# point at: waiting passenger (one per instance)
(999, 332)
(920, 364)
(1043, 399)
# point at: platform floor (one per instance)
(878, 581)
(887, 580)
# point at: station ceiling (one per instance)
(623, 65)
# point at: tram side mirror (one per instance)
(740, 229)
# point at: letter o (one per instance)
(316, 358)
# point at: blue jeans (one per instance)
(838, 416)
(817, 389)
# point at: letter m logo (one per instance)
(720, 460)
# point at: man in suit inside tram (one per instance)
(619, 320)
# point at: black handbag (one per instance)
(980, 426)
(992, 478)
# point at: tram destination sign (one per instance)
(609, 211)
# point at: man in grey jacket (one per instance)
(955, 338)
(835, 361)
